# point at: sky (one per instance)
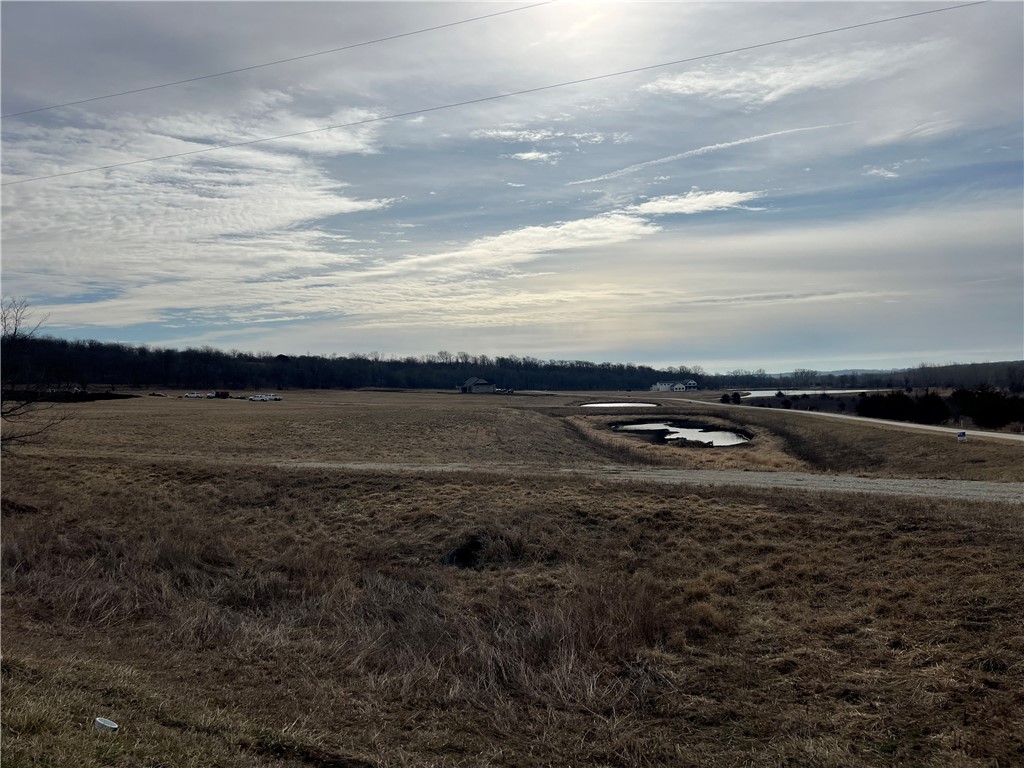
(852, 199)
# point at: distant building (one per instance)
(475, 385)
(674, 386)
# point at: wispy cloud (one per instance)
(515, 135)
(776, 79)
(237, 213)
(527, 243)
(917, 131)
(536, 157)
(694, 202)
(698, 152)
(537, 135)
(890, 171)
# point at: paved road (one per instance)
(966, 490)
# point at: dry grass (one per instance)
(514, 432)
(848, 447)
(325, 426)
(829, 445)
(765, 452)
(235, 614)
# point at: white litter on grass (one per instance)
(102, 724)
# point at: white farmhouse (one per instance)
(476, 385)
(674, 386)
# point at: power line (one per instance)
(501, 95)
(278, 61)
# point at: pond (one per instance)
(707, 435)
(620, 405)
(798, 392)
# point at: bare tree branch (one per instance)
(22, 387)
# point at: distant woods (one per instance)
(65, 364)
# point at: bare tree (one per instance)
(22, 387)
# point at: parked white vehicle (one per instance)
(264, 398)
(193, 394)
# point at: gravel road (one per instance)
(951, 431)
(967, 490)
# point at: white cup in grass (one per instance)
(102, 724)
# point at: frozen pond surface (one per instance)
(713, 437)
(622, 405)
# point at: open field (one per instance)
(519, 431)
(166, 564)
(368, 426)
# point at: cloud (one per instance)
(515, 135)
(694, 202)
(891, 171)
(180, 225)
(916, 131)
(536, 157)
(778, 78)
(698, 152)
(885, 173)
(527, 243)
(205, 245)
(604, 230)
(38, 150)
(536, 135)
(832, 277)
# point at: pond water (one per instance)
(798, 392)
(713, 437)
(621, 405)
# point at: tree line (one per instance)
(69, 364)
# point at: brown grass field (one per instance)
(164, 566)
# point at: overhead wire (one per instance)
(277, 61)
(496, 97)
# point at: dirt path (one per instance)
(967, 490)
